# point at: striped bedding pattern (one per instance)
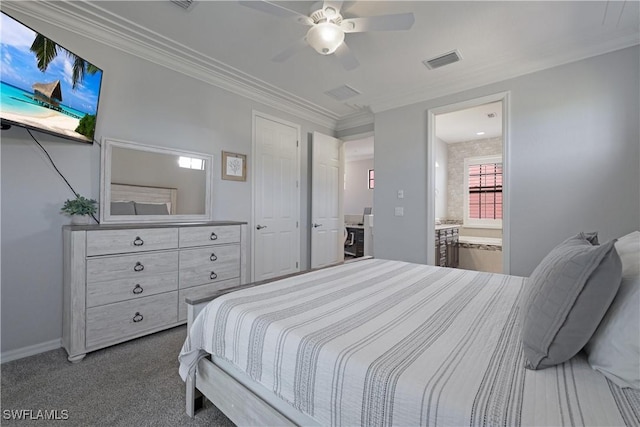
(381, 342)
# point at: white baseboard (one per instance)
(30, 350)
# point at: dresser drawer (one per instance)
(211, 264)
(100, 293)
(201, 292)
(130, 240)
(113, 322)
(133, 266)
(210, 235)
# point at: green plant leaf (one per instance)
(79, 206)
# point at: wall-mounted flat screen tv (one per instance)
(45, 86)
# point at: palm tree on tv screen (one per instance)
(46, 50)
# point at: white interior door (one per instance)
(327, 192)
(275, 234)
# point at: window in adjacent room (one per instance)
(483, 186)
(191, 163)
(371, 179)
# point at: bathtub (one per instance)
(474, 240)
(480, 253)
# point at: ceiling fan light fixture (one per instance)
(325, 37)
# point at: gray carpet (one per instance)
(131, 384)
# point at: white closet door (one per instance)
(276, 235)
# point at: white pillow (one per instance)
(628, 248)
(614, 349)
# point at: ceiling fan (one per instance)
(328, 28)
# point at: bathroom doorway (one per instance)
(468, 185)
(359, 186)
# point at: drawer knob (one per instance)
(138, 289)
(213, 257)
(213, 275)
(137, 317)
(213, 236)
(138, 267)
(138, 241)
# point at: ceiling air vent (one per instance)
(185, 4)
(342, 92)
(442, 60)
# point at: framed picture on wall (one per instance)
(234, 166)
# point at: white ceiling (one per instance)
(230, 45)
(467, 124)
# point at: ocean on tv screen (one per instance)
(57, 94)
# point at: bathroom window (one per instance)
(483, 186)
(371, 179)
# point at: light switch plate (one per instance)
(399, 211)
(400, 194)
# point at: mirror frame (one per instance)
(105, 184)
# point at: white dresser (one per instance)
(126, 281)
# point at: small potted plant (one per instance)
(79, 209)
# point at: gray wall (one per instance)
(140, 102)
(574, 160)
(357, 194)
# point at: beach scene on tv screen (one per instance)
(44, 86)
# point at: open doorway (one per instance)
(468, 185)
(359, 185)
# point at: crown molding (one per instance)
(89, 20)
(355, 120)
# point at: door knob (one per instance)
(260, 227)
(316, 225)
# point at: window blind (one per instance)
(485, 191)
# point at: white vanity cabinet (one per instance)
(126, 281)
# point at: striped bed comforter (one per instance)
(381, 342)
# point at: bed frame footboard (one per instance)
(240, 404)
(191, 392)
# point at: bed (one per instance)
(378, 342)
(128, 199)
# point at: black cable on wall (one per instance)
(58, 170)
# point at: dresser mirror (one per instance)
(144, 183)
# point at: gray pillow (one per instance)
(151, 209)
(567, 296)
(122, 208)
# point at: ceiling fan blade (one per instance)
(274, 9)
(400, 21)
(336, 5)
(288, 52)
(346, 5)
(346, 57)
